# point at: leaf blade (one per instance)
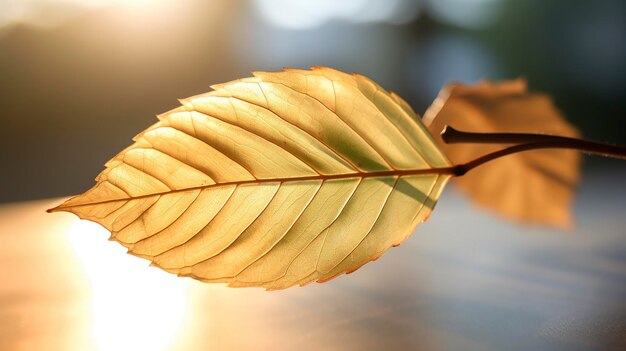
(531, 187)
(271, 181)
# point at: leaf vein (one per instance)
(342, 120)
(269, 109)
(199, 231)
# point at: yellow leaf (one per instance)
(534, 186)
(279, 179)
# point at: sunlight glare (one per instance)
(51, 13)
(134, 306)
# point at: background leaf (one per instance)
(532, 187)
(279, 179)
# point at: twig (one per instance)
(524, 142)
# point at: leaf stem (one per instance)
(524, 142)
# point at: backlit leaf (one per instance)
(534, 186)
(279, 179)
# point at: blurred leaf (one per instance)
(280, 179)
(534, 186)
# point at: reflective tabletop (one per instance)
(465, 280)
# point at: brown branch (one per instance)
(524, 142)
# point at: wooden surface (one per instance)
(464, 281)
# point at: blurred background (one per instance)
(79, 78)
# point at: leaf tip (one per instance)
(56, 208)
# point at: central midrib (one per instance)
(400, 173)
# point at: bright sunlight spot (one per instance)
(47, 13)
(135, 307)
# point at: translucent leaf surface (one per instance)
(280, 179)
(534, 186)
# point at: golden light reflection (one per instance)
(134, 306)
(64, 287)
